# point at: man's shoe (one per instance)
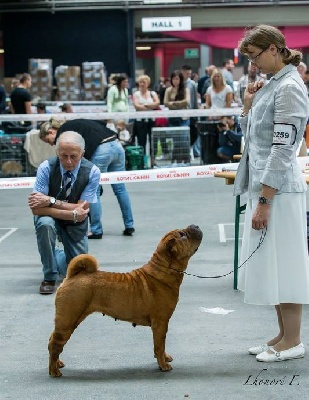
(289, 354)
(128, 231)
(47, 287)
(258, 350)
(95, 236)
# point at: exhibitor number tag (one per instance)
(284, 134)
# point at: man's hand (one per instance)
(223, 126)
(82, 210)
(38, 200)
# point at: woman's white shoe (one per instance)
(289, 354)
(258, 349)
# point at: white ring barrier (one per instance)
(148, 175)
(151, 175)
(124, 115)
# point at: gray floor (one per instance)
(112, 360)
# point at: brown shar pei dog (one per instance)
(146, 296)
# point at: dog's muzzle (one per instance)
(194, 232)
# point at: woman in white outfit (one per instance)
(219, 94)
(144, 100)
(273, 122)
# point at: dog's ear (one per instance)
(170, 245)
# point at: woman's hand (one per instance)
(249, 94)
(261, 216)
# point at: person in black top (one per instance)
(21, 98)
(106, 152)
(2, 100)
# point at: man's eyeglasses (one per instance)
(253, 59)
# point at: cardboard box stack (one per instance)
(68, 82)
(94, 79)
(41, 71)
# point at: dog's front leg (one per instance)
(159, 331)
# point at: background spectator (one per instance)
(164, 86)
(2, 100)
(251, 76)
(219, 94)
(192, 86)
(41, 109)
(227, 70)
(144, 100)
(123, 134)
(14, 83)
(177, 97)
(66, 108)
(204, 82)
(229, 138)
(21, 97)
(303, 72)
(118, 96)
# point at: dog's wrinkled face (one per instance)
(181, 244)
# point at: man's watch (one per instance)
(52, 201)
(264, 200)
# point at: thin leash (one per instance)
(263, 234)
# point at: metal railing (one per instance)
(76, 5)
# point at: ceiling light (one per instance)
(142, 48)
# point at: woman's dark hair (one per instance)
(181, 90)
(118, 82)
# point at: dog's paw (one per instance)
(55, 373)
(166, 367)
(60, 363)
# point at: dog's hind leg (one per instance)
(159, 331)
(64, 327)
(55, 346)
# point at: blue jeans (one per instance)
(197, 147)
(55, 260)
(228, 151)
(110, 157)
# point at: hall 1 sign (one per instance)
(166, 24)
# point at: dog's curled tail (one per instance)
(83, 262)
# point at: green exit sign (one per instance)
(191, 53)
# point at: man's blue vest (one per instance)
(57, 190)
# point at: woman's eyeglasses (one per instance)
(253, 59)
